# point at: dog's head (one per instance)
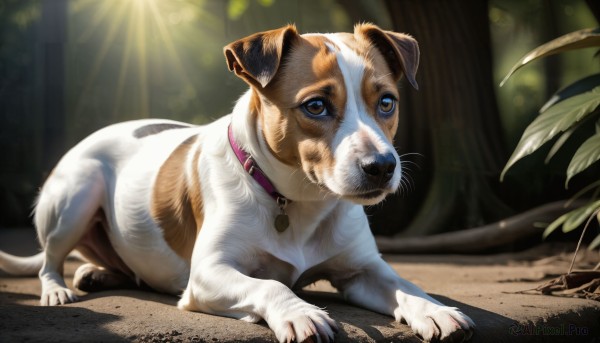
(328, 103)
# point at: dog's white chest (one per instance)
(299, 255)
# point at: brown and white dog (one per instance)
(235, 215)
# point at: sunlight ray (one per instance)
(168, 40)
(97, 19)
(106, 44)
(123, 69)
(143, 57)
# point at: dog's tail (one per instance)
(21, 266)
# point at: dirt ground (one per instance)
(481, 286)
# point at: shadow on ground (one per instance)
(31, 323)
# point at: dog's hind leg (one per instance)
(67, 204)
(106, 270)
(92, 278)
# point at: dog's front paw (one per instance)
(57, 295)
(305, 323)
(443, 324)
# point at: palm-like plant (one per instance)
(576, 105)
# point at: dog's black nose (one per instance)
(379, 168)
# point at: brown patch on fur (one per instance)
(195, 195)
(152, 129)
(376, 83)
(292, 137)
(400, 51)
(256, 58)
(176, 203)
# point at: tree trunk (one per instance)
(452, 121)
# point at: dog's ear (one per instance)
(401, 51)
(257, 58)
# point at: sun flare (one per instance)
(134, 28)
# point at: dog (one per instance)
(235, 215)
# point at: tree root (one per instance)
(481, 238)
(582, 284)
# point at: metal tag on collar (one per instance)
(282, 221)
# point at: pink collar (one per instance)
(252, 168)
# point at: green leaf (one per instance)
(578, 216)
(575, 40)
(555, 224)
(591, 186)
(575, 88)
(586, 154)
(559, 143)
(595, 243)
(553, 121)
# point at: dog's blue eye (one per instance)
(387, 105)
(315, 108)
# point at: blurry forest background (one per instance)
(70, 67)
